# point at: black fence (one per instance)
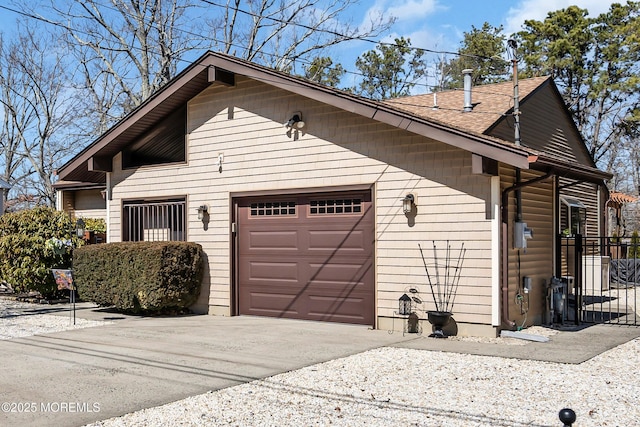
(597, 281)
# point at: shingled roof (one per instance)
(490, 103)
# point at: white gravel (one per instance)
(404, 387)
(15, 324)
(400, 387)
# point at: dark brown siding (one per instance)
(586, 193)
(537, 260)
(545, 126)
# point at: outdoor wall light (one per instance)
(80, 228)
(408, 203)
(202, 210)
(404, 305)
(295, 121)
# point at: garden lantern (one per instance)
(404, 305)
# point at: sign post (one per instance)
(64, 280)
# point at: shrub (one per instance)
(26, 250)
(98, 225)
(139, 277)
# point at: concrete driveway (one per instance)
(76, 377)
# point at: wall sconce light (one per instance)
(202, 210)
(295, 121)
(404, 305)
(408, 203)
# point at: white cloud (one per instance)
(538, 10)
(406, 10)
(412, 9)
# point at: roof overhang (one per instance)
(90, 165)
(382, 112)
(569, 170)
(74, 185)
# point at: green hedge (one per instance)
(139, 277)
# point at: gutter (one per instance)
(505, 243)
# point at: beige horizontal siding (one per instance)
(85, 204)
(336, 149)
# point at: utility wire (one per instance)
(346, 37)
(273, 55)
(253, 15)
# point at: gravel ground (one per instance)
(15, 324)
(403, 387)
(395, 386)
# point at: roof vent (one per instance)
(468, 106)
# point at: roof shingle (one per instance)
(490, 103)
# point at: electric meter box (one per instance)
(521, 234)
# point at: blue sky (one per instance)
(440, 24)
(431, 24)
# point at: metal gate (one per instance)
(601, 277)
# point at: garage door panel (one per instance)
(347, 310)
(342, 240)
(273, 240)
(338, 273)
(273, 271)
(313, 263)
(270, 304)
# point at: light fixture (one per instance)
(404, 305)
(202, 210)
(408, 203)
(219, 162)
(80, 228)
(295, 121)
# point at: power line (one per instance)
(342, 36)
(273, 55)
(68, 28)
(347, 38)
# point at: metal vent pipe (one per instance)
(468, 106)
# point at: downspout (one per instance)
(505, 242)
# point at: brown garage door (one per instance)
(307, 257)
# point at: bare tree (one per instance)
(126, 50)
(38, 114)
(122, 51)
(11, 159)
(277, 33)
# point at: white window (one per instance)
(576, 216)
